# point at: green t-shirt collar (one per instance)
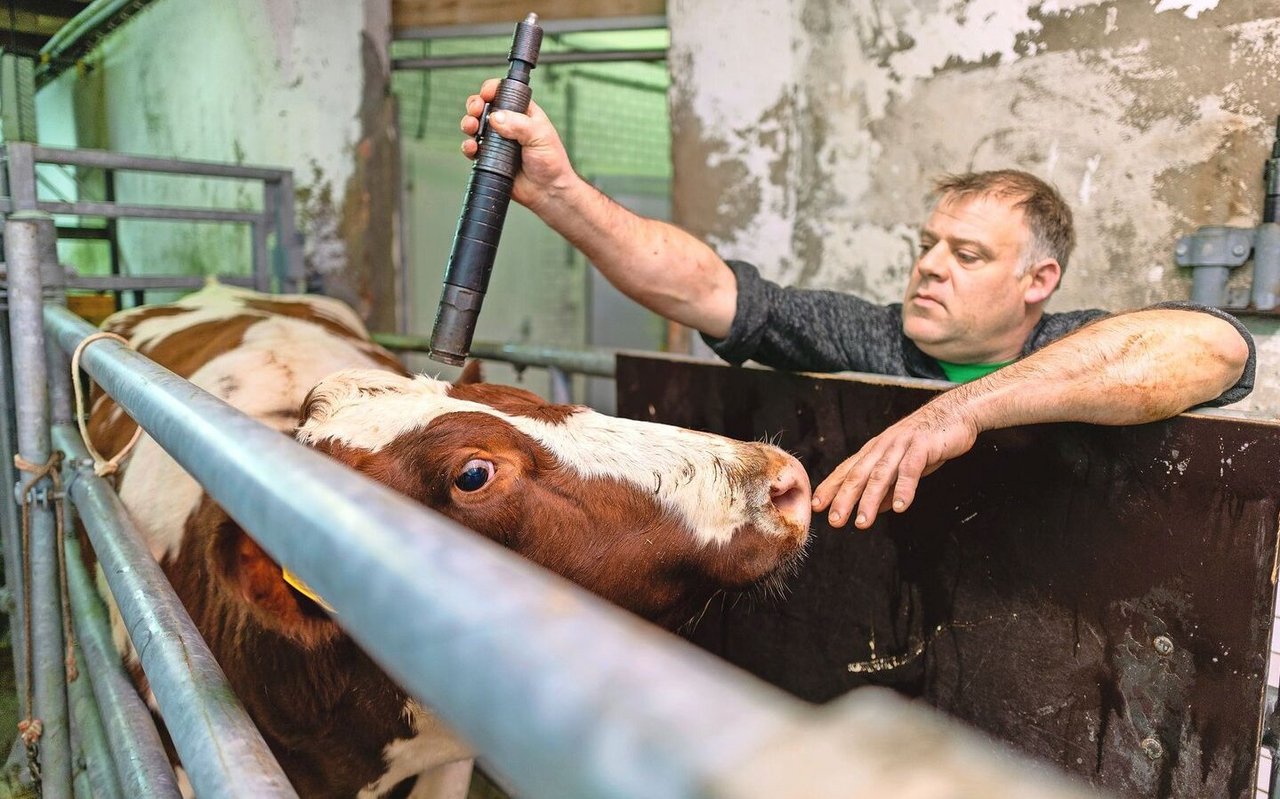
(966, 372)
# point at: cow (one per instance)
(654, 518)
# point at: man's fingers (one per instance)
(876, 493)
(470, 148)
(913, 466)
(489, 88)
(854, 483)
(475, 105)
(842, 502)
(826, 490)
(513, 126)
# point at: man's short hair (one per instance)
(1048, 216)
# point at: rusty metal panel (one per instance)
(1097, 596)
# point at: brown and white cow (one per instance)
(654, 518)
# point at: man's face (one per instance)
(966, 302)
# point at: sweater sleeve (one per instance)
(809, 330)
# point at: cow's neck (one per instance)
(296, 695)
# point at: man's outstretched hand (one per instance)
(885, 472)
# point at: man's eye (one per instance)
(925, 246)
(474, 475)
(967, 257)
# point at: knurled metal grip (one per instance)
(527, 42)
(496, 154)
(484, 209)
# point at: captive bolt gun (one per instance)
(475, 244)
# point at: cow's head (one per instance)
(651, 517)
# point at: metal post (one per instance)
(561, 386)
(271, 222)
(61, 399)
(261, 258)
(113, 237)
(141, 765)
(223, 753)
(9, 515)
(1266, 266)
(25, 233)
(22, 175)
(90, 739)
(289, 239)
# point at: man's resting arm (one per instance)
(1131, 368)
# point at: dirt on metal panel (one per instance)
(1100, 597)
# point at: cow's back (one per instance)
(259, 353)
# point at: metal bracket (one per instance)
(1215, 246)
(1214, 252)
(40, 495)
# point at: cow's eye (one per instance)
(474, 475)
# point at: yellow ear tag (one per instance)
(305, 590)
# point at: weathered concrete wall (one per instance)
(273, 82)
(806, 133)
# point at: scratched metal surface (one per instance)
(1033, 585)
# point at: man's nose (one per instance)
(933, 262)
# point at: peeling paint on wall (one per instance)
(1152, 119)
(1192, 8)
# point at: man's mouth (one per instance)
(926, 300)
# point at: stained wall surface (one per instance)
(806, 133)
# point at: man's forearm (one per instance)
(654, 263)
(1127, 369)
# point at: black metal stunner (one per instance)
(475, 244)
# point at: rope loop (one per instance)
(101, 466)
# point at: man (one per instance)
(991, 254)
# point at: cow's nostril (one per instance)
(790, 493)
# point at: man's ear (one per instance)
(1044, 277)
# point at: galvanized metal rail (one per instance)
(278, 263)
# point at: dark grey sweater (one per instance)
(827, 331)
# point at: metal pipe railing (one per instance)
(531, 669)
(573, 57)
(127, 282)
(134, 211)
(25, 252)
(141, 765)
(105, 159)
(595, 362)
(223, 753)
(89, 736)
(9, 531)
(280, 257)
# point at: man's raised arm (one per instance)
(656, 264)
(1132, 368)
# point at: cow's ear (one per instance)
(470, 374)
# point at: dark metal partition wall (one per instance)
(1101, 597)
